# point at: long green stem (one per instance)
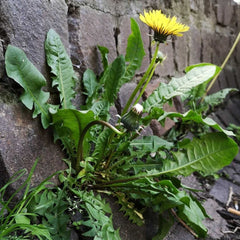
(145, 85)
(222, 66)
(142, 81)
(79, 157)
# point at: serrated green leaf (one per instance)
(197, 92)
(155, 113)
(193, 215)
(151, 144)
(179, 86)
(98, 211)
(20, 69)
(111, 79)
(61, 68)
(129, 210)
(101, 109)
(134, 52)
(216, 99)
(207, 155)
(101, 145)
(197, 118)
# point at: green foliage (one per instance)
(104, 52)
(31, 80)
(61, 68)
(129, 210)
(192, 116)
(100, 224)
(207, 155)
(74, 121)
(236, 130)
(179, 86)
(17, 218)
(134, 52)
(51, 208)
(111, 79)
(213, 100)
(90, 83)
(141, 172)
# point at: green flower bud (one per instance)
(131, 119)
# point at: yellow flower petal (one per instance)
(162, 25)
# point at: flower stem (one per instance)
(79, 157)
(142, 81)
(145, 85)
(222, 66)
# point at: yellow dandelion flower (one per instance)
(162, 25)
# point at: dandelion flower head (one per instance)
(162, 25)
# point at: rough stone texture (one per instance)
(167, 67)
(124, 93)
(216, 224)
(22, 141)
(87, 23)
(222, 195)
(97, 28)
(224, 12)
(25, 25)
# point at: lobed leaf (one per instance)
(20, 69)
(61, 68)
(151, 144)
(179, 86)
(98, 219)
(207, 155)
(129, 209)
(216, 99)
(195, 117)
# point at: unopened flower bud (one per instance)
(160, 57)
(131, 119)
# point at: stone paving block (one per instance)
(216, 225)
(220, 190)
(23, 140)
(233, 171)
